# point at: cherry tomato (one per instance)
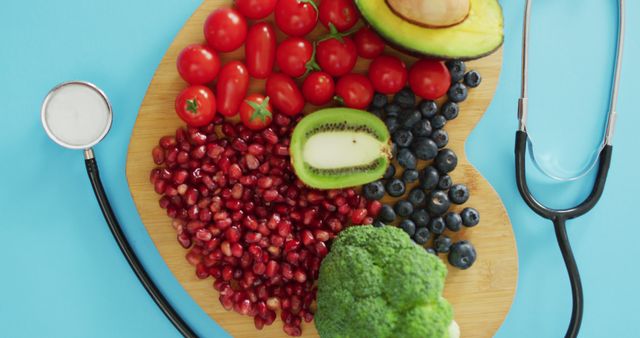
(368, 43)
(225, 29)
(318, 88)
(256, 112)
(429, 79)
(296, 17)
(255, 9)
(260, 50)
(232, 87)
(343, 14)
(355, 90)
(335, 57)
(284, 93)
(388, 74)
(196, 105)
(198, 64)
(295, 56)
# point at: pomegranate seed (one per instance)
(293, 257)
(233, 204)
(284, 228)
(158, 155)
(199, 152)
(273, 303)
(300, 276)
(270, 136)
(321, 249)
(227, 302)
(256, 149)
(167, 142)
(259, 268)
(232, 234)
(160, 186)
(281, 150)
(292, 330)
(368, 221)
(183, 157)
(239, 145)
(271, 269)
(358, 216)
(203, 235)
(184, 240)
(322, 235)
(252, 237)
(237, 250)
(225, 247)
(374, 208)
(191, 196)
(198, 138)
(258, 322)
(265, 182)
(235, 172)
(270, 195)
(307, 237)
(308, 316)
(345, 209)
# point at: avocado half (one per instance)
(340, 147)
(480, 34)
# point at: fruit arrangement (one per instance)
(258, 192)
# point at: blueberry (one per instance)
(403, 208)
(456, 69)
(438, 203)
(458, 92)
(424, 148)
(406, 159)
(408, 226)
(462, 255)
(440, 137)
(429, 178)
(392, 124)
(459, 194)
(405, 98)
(431, 251)
(391, 171)
(421, 218)
(410, 176)
(450, 110)
(428, 108)
(446, 161)
(422, 128)
(445, 182)
(453, 221)
(442, 244)
(438, 122)
(409, 118)
(470, 217)
(377, 112)
(378, 223)
(422, 236)
(436, 226)
(402, 138)
(392, 109)
(379, 100)
(395, 187)
(373, 190)
(417, 197)
(387, 214)
(472, 79)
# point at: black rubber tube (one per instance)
(129, 254)
(574, 277)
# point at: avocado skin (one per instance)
(407, 48)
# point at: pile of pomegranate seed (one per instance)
(246, 219)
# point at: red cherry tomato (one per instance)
(343, 14)
(318, 88)
(355, 90)
(296, 17)
(429, 79)
(295, 56)
(225, 29)
(256, 112)
(198, 64)
(196, 105)
(260, 50)
(368, 43)
(284, 93)
(232, 87)
(388, 74)
(255, 9)
(335, 57)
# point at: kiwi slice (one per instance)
(340, 147)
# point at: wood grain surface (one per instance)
(481, 296)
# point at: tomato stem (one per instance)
(259, 109)
(338, 99)
(311, 65)
(192, 106)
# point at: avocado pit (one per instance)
(431, 13)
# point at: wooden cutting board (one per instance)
(481, 296)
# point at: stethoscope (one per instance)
(78, 115)
(602, 160)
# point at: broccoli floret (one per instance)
(376, 282)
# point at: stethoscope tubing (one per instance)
(127, 251)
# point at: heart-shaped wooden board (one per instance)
(481, 296)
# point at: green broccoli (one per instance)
(377, 283)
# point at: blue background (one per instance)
(61, 275)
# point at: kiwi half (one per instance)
(340, 147)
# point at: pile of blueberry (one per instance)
(418, 135)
